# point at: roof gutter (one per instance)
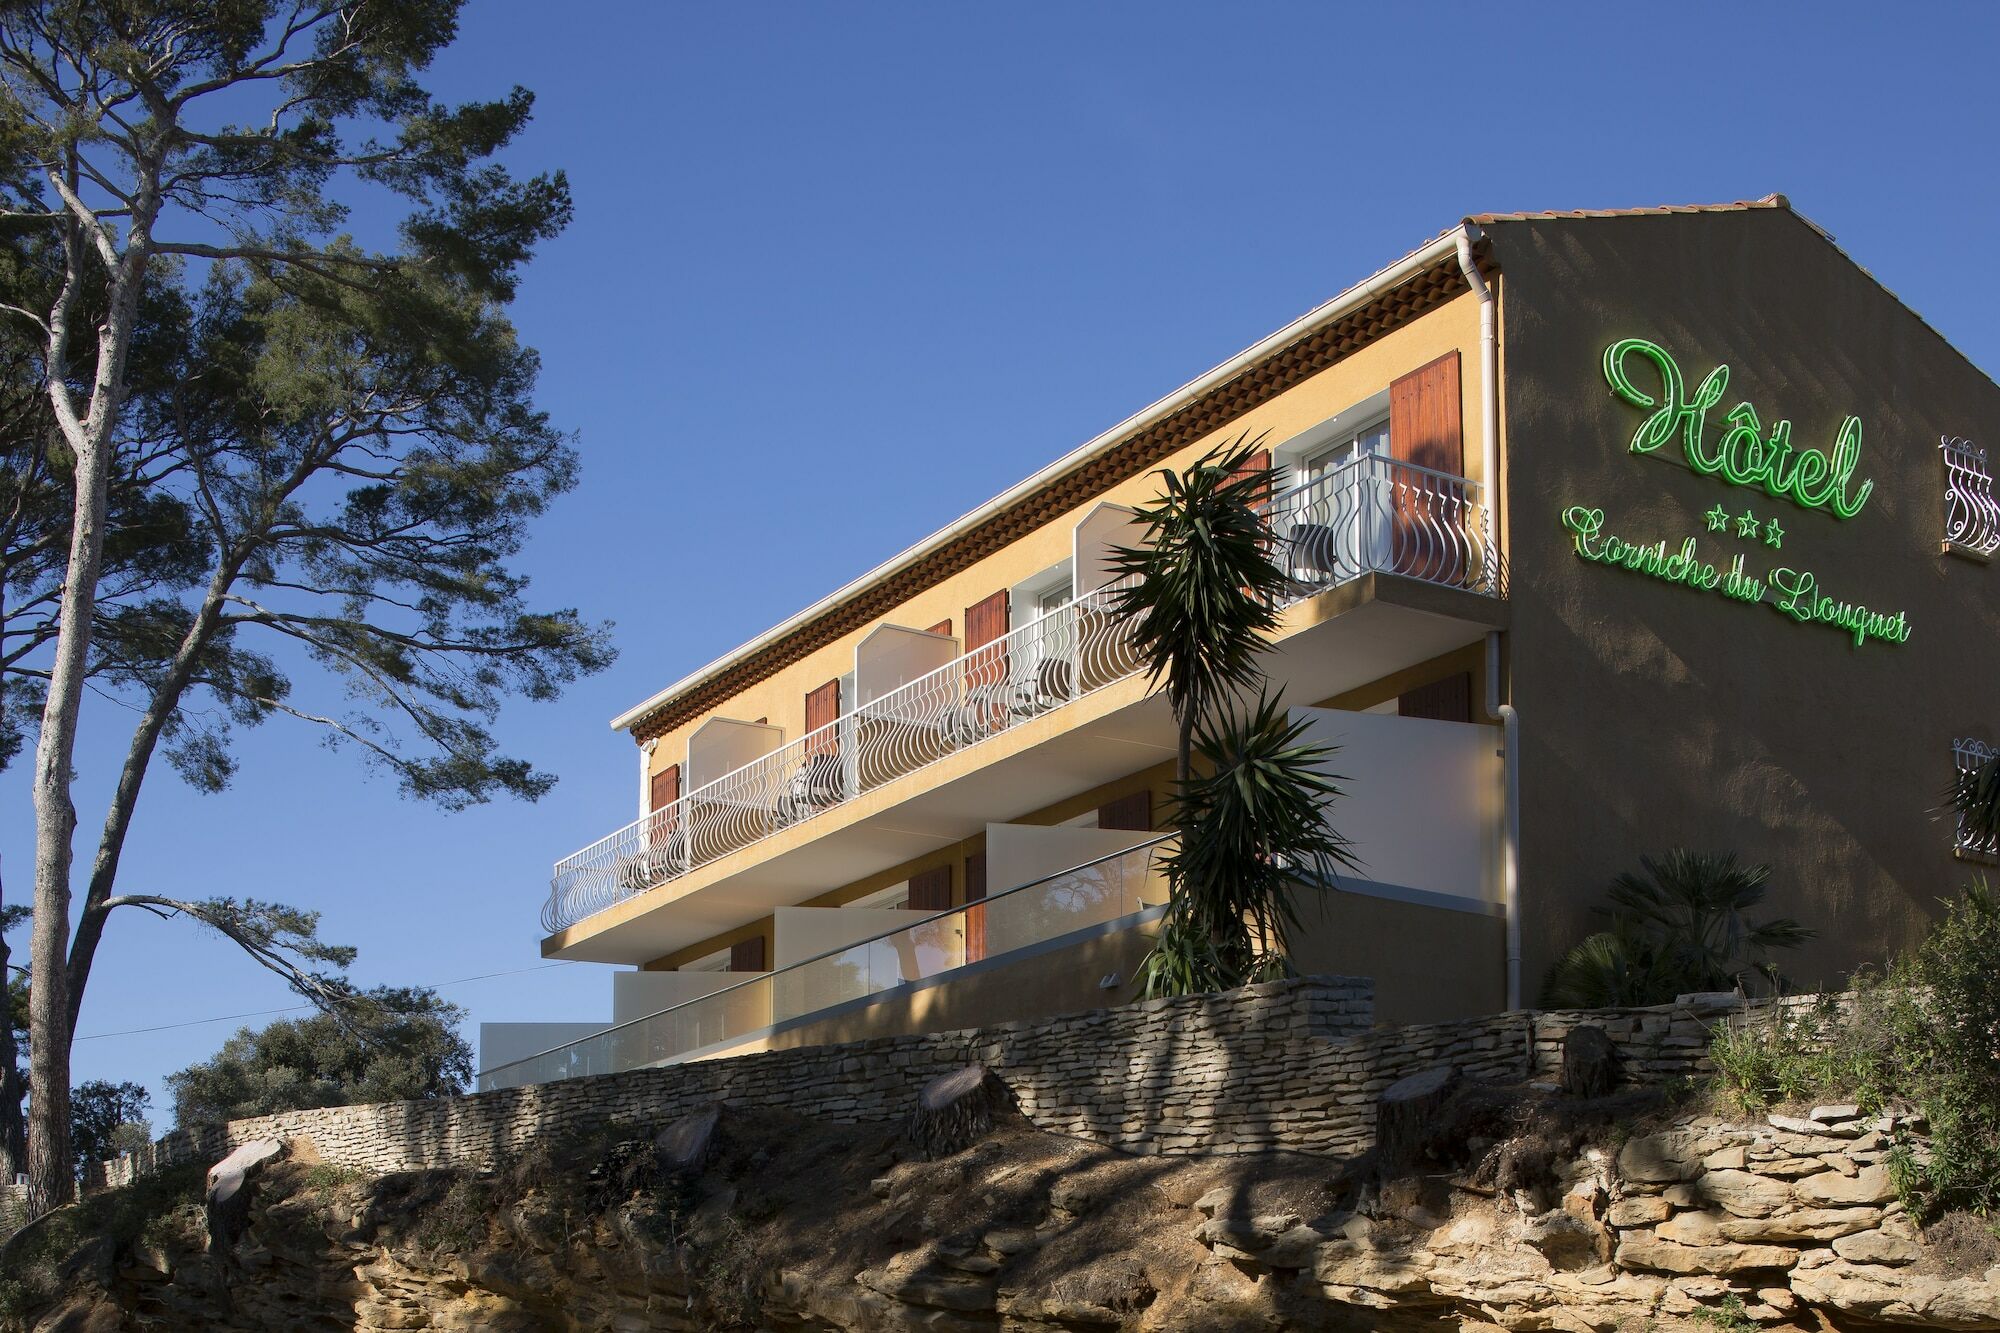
(1441, 250)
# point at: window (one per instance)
(1370, 441)
(1968, 756)
(708, 962)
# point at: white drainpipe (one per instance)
(1510, 721)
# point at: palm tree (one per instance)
(1683, 926)
(1252, 825)
(1198, 601)
(1200, 595)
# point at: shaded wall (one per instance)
(1654, 716)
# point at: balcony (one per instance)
(1114, 893)
(1372, 516)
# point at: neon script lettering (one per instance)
(1799, 596)
(1745, 454)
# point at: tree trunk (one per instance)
(13, 1130)
(51, 1180)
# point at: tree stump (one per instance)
(954, 1110)
(1407, 1116)
(1590, 1062)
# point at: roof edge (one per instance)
(1424, 257)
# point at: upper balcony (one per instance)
(1373, 515)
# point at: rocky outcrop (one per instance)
(781, 1223)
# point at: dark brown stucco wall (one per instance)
(1654, 716)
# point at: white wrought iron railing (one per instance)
(1971, 515)
(1113, 892)
(1371, 515)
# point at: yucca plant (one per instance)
(1198, 602)
(1200, 595)
(1253, 826)
(1682, 926)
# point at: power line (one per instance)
(293, 1009)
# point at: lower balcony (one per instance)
(1371, 524)
(1109, 902)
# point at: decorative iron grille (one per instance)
(1971, 515)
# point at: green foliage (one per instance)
(1198, 599)
(1947, 1052)
(1727, 1316)
(156, 1204)
(1199, 594)
(1682, 927)
(1975, 796)
(395, 1044)
(1797, 1053)
(1929, 1036)
(1253, 825)
(106, 1119)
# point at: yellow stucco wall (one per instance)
(1367, 371)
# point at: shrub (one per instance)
(1929, 1037)
(1682, 926)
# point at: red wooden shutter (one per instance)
(665, 787)
(930, 890)
(986, 621)
(747, 955)
(1447, 700)
(975, 916)
(986, 679)
(661, 792)
(1425, 429)
(1128, 812)
(1256, 464)
(822, 707)
(942, 627)
(1424, 412)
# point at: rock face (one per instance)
(786, 1225)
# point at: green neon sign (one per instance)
(1746, 454)
(1794, 593)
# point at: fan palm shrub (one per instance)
(1682, 926)
(1198, 600)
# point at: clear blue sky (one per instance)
(840, 273)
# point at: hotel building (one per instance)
(1608, 532)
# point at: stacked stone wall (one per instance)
(1293, 1065)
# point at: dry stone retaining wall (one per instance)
(1290, 1065)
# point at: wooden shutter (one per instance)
(985, 621)
(1447, 700)
(747, 955)
(1257, 464)
(986, 679)
(930, 890)
(1425, 428)
(1128, 812)
(665, 787)
(975, 915)
(662, 791)
(1424, 417)
(942, 627)
(822, 707)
